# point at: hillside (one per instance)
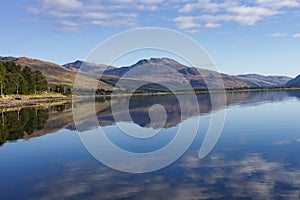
(294, 82)
(55, 74)
(179, 76)
(194, 76)
(265, 81)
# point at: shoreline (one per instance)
(14, 102)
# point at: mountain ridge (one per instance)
(196, 77)
(294, 82)
(265, 81)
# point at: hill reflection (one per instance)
(33, 122)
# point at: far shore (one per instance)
(15, 102)
(201, 91)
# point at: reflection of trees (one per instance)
(15, 124)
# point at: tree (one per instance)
(29, 77)
(2, 77)
(9, 84)
(21, 84)
(41, 83)
(59, 89)
(14, 80)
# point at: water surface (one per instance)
(256, 157)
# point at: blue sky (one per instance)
(255, 36)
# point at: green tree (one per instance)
(41, 83)
(14, 80)
(29, 77)
(9, 85)
(2, 76)
(59, 89)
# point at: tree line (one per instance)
(15, 80)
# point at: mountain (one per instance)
(87, 67)
(156, 67)
(194, 76)
(294, 82)
(55, 74)
(174, 75)
(264, 81)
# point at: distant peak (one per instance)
(157, 61)
(143, 61)
(79, 62)
(162, 60)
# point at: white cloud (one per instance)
(296, 35)
(193, 31)
(186, 14)
(212, 25)
(249, 15)
(279, 3)
(91, 12)
(282, 142)
(278, 34)
(115, 23)
(206, 5)
(62, 4)
(33, 10)
(136, 1)
(232, 11)
(186, 22)
(95, 15)
(69, 23)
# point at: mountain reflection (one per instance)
(33, 122)
(139, 106)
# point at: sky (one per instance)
(255, 36)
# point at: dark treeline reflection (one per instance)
(15, 124)
(26, 122)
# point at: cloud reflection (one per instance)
(217, 176)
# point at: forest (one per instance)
(15, 80)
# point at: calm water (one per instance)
(256, 157)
